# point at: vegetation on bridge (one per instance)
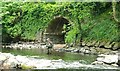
(89, 20)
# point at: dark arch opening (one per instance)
(55, 28)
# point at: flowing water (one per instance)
(42, 54)
(73, 59)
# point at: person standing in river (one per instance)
(49, 45)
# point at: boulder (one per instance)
(115, 46)
(12, 61)
(6, 66)
(100, 59)
(22, 59)
(108, 59)
(2, 57)
(107, 45)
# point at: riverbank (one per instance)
(86, 49)
(105, 56)
(22, 45)
(10, 61)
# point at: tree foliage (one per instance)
(24, 19)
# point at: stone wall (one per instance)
(106, 45)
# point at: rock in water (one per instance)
(118, 63)
(87, 51)
(93, 50)
(108, 59)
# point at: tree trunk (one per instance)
(114, 11)
(80, 28)
(115, 18)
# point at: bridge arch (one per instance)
(54, 30)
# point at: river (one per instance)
(41, 53)
(56, 60)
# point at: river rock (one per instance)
(12, 61)
(76, 50)
(108, 59)
(97, 44)
(82, 50)
(6, 66)
(3, 62)
(70, 49)
(114, 65)
(118, 63)
(107, 45)
(101, 45)
(93, 43)
(25, 62)
(86, 47)
(93, 50)
(8, 55)
(97, 62)
(115, 46)
(43, 46)
(83, 43)
(75, 64)
(87, 51)
(100, 59)
(2, 57)
(22, 59)
(8, 47)
(89, 44)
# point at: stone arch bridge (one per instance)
(54, 30)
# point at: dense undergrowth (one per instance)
(105, 28)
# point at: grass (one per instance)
(104, 30)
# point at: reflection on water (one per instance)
(42, 53)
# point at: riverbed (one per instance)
(39, 59)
